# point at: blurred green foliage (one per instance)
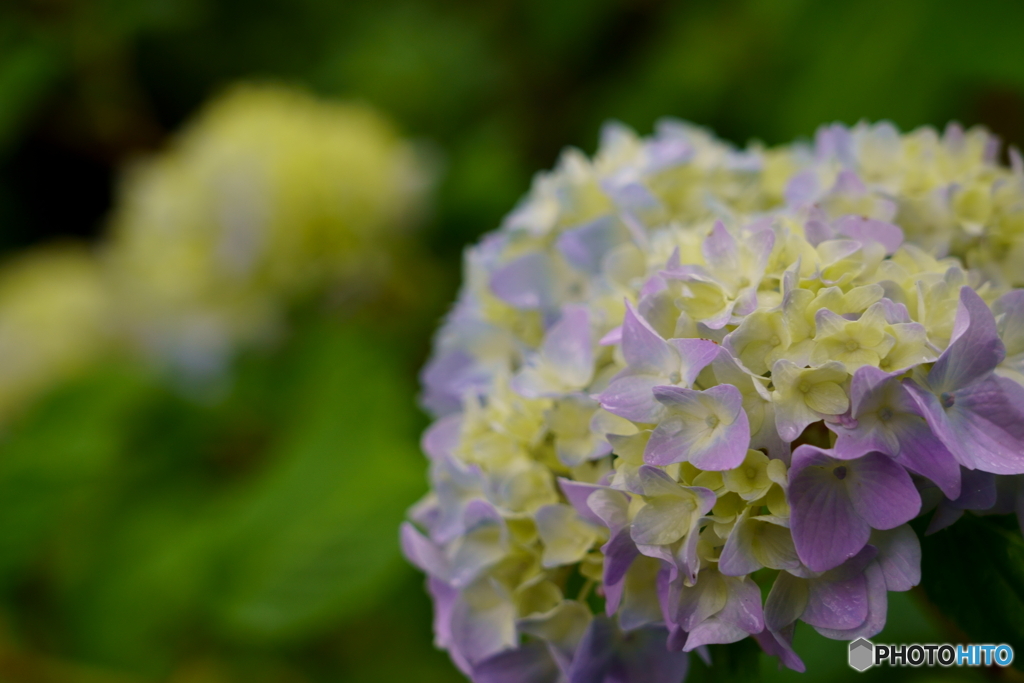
(249, 533)
(985, 598)
(142, 526)
(501, 87)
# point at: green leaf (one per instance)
(973, 571)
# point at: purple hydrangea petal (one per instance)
(802, 189)
(529, 662)
(835, 142)
(780, 644)
(992, 413)
(737, 556)
(444, 598)
(881, 491)
(847, 181)
(585, 246)
(442, 437)
(668, 595)
(837, 605)
(865, 229)
(456, 485)
(632, 397)
(974, 350)
(567, 344)
(981, 424)
(685, 561)
(865, 385)
(457, 370)
(577, 493)
(826, 527)
(720, 249)
(676, 640)
(422, 553)
(596, 653)
(612, 506)
(477, 633)
(613, 596)
(741, 616)
(483, 543)
(612, 338)
(566, 359)
(663, 154)
(761, 243)
(525, 283)
(835, 503)
(702, 600)
(643, 348)
(426, 514)
(877, 601)
(619, 553)
(899, 557)
(922, 453)
(884, 417)
(443, 381)
(707, 428)
(895, 313)
(667, 153)
(943, 516)
(643, 658)
(694, 356)
(978, 492)
(606, 655)
(817, 230)
(853, 566)
(631, 197)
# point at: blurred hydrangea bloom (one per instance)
(55, 318)
(680, 371)
(268, 194)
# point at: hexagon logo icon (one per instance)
(862, 654)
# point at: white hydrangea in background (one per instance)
(269, 194)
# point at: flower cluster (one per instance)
(682, 375)
(270, 193)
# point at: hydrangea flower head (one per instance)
(56, 317)
(680, 365)
(268, 194)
